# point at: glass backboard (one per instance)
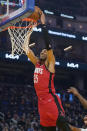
(12, 11)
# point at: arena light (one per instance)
(10, 56)
(67, 64)
(67, 16)
(68, 48)
(37, 29)
(56, 33)
(84, 38)
(58, 95)
(62, 34)
(48, 12)
(72, 65)
(57, 63)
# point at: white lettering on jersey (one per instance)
(39, 70)
(35, 78)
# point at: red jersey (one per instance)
(47, 99)
(42, 78)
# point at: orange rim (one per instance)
(29, 19)
(13, 27)
(20, 27)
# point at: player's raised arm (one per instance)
(50, 55)
(79, 96)
(28, 51)
(73, 128)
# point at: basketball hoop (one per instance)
(18, 33)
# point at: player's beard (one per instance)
(43, 60)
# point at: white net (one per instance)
(18, 36)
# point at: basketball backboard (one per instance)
(12, 11)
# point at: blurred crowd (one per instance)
(18, 109)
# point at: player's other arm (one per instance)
(77, 129)
(28, 51)
(32, 57)
(50, 55)
(79, 96)
(85, 120)
(74, 128)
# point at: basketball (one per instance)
(36, 14)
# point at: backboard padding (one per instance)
(15, 16)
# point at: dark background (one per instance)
(18, 74)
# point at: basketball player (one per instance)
(81, 98)
(79, 129)
(49, 104)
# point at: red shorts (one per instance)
(49, 112)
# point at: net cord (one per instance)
(18, 37)
(7, 7)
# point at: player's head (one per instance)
(43, 55)
(85, 120)
(85, 123)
